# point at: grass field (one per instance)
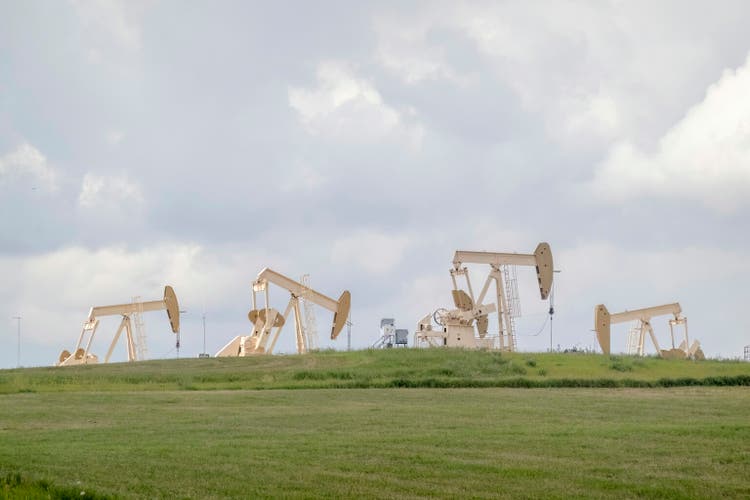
(380, 369)
(109, 431)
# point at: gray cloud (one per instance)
(363, 144)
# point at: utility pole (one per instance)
(177, 341)
(18, 318)
(551, 309)
(204, 354)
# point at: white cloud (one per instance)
(532, 62)
(705, 157)
(404, 48)
(54, 290)
(304, 178)
(103, 191)
(590, 71)
(608, 270)
(115, 19)
(114, 137)
(424, 294)
(27, 161)
(346, 106)
(373, 251)
(591, 116)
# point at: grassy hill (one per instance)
(438, 368)
(196, 428)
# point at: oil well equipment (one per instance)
(467, 324)
(131, 319)
(603, 320)
(268, 322)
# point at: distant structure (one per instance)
(130, 313)
(267, 322)
(747, 353)
(603, 319)
(467, 326)
(391, 336)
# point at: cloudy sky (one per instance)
(194, 143)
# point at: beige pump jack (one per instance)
(456, 327)
(268, 322)
(82, 356)
(603, 320)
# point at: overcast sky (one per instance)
(194, 143)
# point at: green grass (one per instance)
(235, 428)
(380, 369)
(387, 443)
(15, 485)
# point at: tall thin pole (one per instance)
(177, 338)
(552, 307)
(18, 361)
(550, 331)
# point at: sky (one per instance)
(146, 143)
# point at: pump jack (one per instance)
(82, 356)
(603, 319)
(268, 322)
(456, 326)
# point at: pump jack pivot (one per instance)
(82, 356)
(603, 320)
(268, 322)
(456, 327)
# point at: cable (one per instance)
(541, 329)
(551, 311)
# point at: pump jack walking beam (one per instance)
(457, 325)
(268, 322)
(82, 355)
(603, 320)
(541, 259)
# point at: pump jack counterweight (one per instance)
(603, 320)
(457, 327)
(82, 355)
(267, 322)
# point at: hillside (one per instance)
(436, 368)
(200, 428)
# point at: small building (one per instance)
(390, 336)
